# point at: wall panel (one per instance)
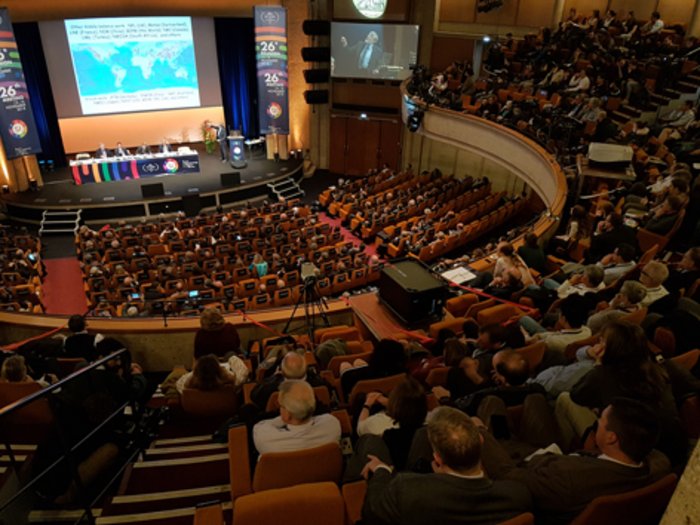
(448, 49)
(642, 8)
(676, 11)
(585, 7)
(459, 11)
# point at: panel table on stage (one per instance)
(133, 167)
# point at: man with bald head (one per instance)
(293, 366)
(296, 428)
(508, 382)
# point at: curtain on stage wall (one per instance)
(39, 88)
(235, 47)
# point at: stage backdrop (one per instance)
(120, 61)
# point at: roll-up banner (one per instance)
(17, 127)
(271, 59)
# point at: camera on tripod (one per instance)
(309, 274)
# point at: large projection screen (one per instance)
(136, 79)
(133, 64)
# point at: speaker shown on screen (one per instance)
(316, 96)
(148, 191)
(411, 292)
(191, 204)
(316, 27)
(316, 54)
(237, 153)
(230, 179)
(317, 76)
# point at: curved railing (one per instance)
(517, 153)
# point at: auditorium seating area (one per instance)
(180, 266)
(21, 270)
(585, 337)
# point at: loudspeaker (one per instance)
(316, 27)
(316, 54)
(232, 178)
(316, 96)
(152, 190)
(411, 292)
(191, 204)
(317, 76)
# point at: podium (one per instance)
(236, 149)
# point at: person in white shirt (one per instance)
(653, 26)
(590, 281)
(569, 328)
(618, 263)
(296, 428)
(625, 302)
(405, 408)
(652, 277)
(579, 82)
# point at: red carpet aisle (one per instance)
(63, 287)
(371, 248)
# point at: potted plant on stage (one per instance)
(209, 138)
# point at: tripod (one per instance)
(314, 304)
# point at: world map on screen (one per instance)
(134, 66)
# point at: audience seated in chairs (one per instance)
(388, 359)
(296, 427)
(216, 336)
(401, 415)
(209, 374)
(626, 301)
(563, 484)
(458, 485)
(569, 327)
(292, 366)
(626, 368)
(508, 382)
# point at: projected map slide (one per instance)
(133, 64)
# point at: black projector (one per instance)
(411, 292)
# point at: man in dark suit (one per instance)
(562, 485)
(615, 232)
(102, 152)
(121, 151)
(220, 131)
(367, 55)
(664, 218)
(143, 149)
(456, 492)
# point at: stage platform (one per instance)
(110, 201)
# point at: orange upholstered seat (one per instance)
(642, 506)
(308, 504)
(221, 402)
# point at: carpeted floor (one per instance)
(63, 287)
(370, 249)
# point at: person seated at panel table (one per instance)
(121, 151)
(165, 146)
(143, 149)
(102, 152)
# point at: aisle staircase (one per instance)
(60, 222)
(287, 189)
